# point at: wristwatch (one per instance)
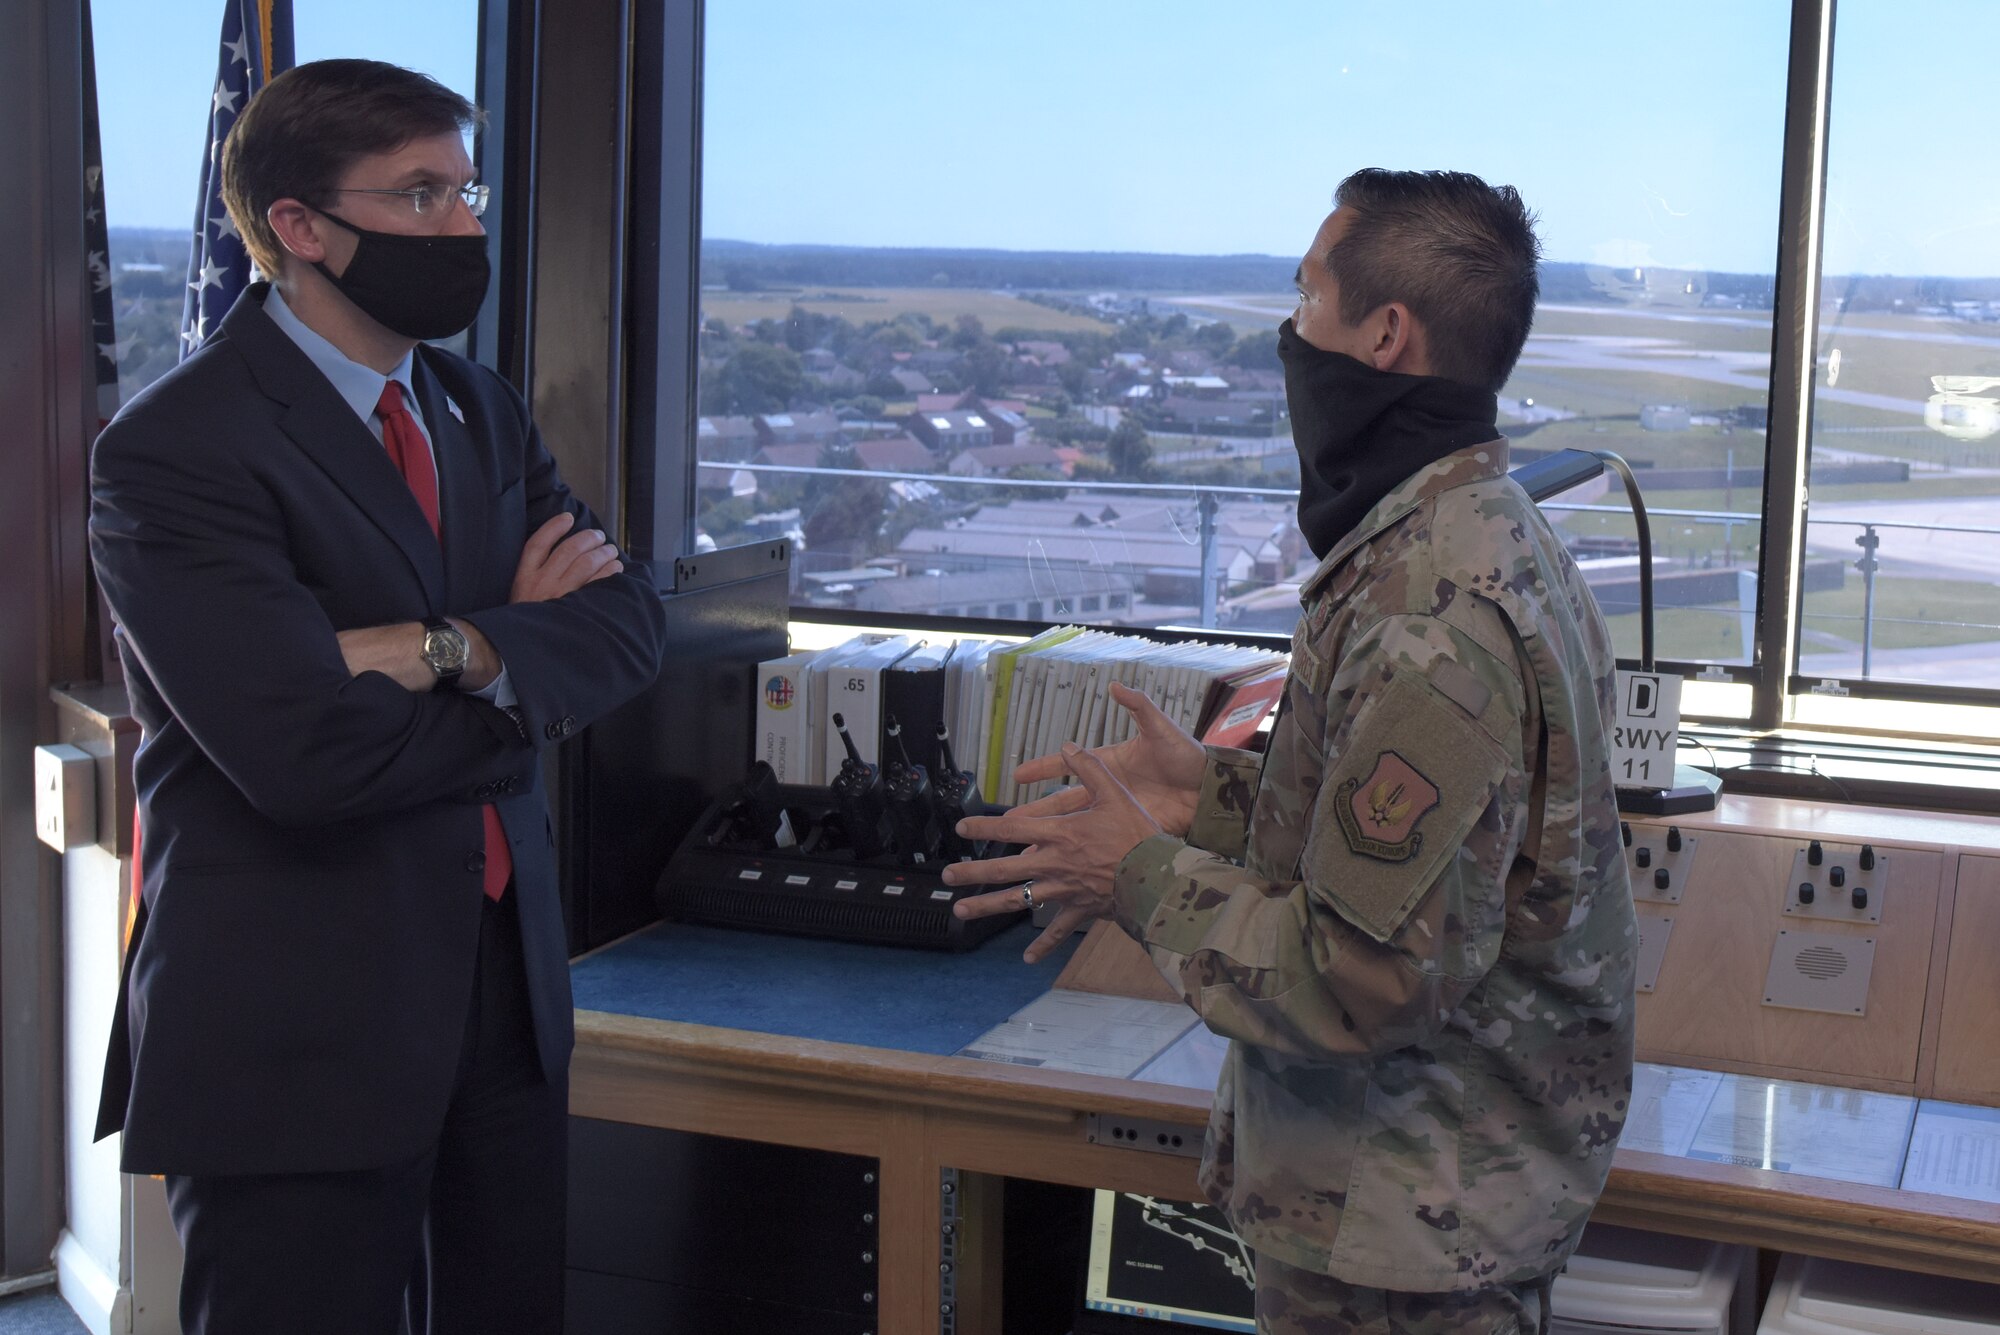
(445, 651)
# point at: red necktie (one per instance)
(412, 457)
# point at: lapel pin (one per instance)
(452, 407)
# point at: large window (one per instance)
(1011, 276)
(1902, 542)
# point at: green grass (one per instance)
(1909, 613)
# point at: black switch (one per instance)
(1644, 857)
(1805, 892)
(1625, 832)
(1814, 854)
(1836, 877)
(1673, 838)
(1868, 857)
(1861, 896)
(1662, 879)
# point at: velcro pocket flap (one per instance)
(1412, 780)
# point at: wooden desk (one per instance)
(919, 1112)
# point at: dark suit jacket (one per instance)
(296, 989)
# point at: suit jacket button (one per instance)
(553, 731)
(475, 862)
(568, 724)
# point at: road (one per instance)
(1944, 555)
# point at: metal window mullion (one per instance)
(665, 279)
(1794, 344)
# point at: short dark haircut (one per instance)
(1461, 254)
(298, 137)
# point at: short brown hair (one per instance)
(310, 124)
(1461, 254)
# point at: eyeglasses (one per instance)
(433, 199)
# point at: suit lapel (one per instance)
(463, 486)
(326, 430)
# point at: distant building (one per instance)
(1012, 592)
(1224, 417)
(789, 456)
(1196, 386)
(913, 382)
(1146, 539)
(1045, 352)
(1664, 417)
(726, 439)
(948, 433)
(1000, 460)
(897, 454)
(816, 428)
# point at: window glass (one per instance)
(1902, 558)
(984, 263)
(157, 62)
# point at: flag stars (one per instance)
(224, 225)
(225, 97)
(210, 275)
(193, 337)
(239, 50)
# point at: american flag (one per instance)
(97, 243)
(256, 44)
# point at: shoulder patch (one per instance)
(1379, 814)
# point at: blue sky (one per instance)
(1641, 133)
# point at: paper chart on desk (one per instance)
(1084, 1032)
(1848, 1135)
(1668, 1103)
(1192, 1061)
(1955, 1151)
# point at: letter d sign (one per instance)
(1642, 697)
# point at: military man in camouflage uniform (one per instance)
(1412, 913)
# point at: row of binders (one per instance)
(998, 702)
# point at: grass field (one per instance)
(996, 310)
(1909, 614)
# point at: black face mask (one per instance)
(1360, 432)
(421, 287)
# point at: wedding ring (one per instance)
(1028, 893)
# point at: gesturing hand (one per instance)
(549, 569)
(1072, 855)
(1161, 768)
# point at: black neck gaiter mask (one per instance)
(1360, 432)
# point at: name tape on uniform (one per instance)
(1647, 732)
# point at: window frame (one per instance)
(1771, 675)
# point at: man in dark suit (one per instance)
(356, 600)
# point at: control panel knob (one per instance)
(1662, 879)
(1860, 896)
(1868, 857)
(1805, 892)
(1673, 838)
(1814, 854)
(1625, 832)
(1836, 877)
(1644, 857)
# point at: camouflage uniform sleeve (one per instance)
(1222, 812)
(1398, 903)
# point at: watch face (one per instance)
(445, 649)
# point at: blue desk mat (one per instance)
(877, 996)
